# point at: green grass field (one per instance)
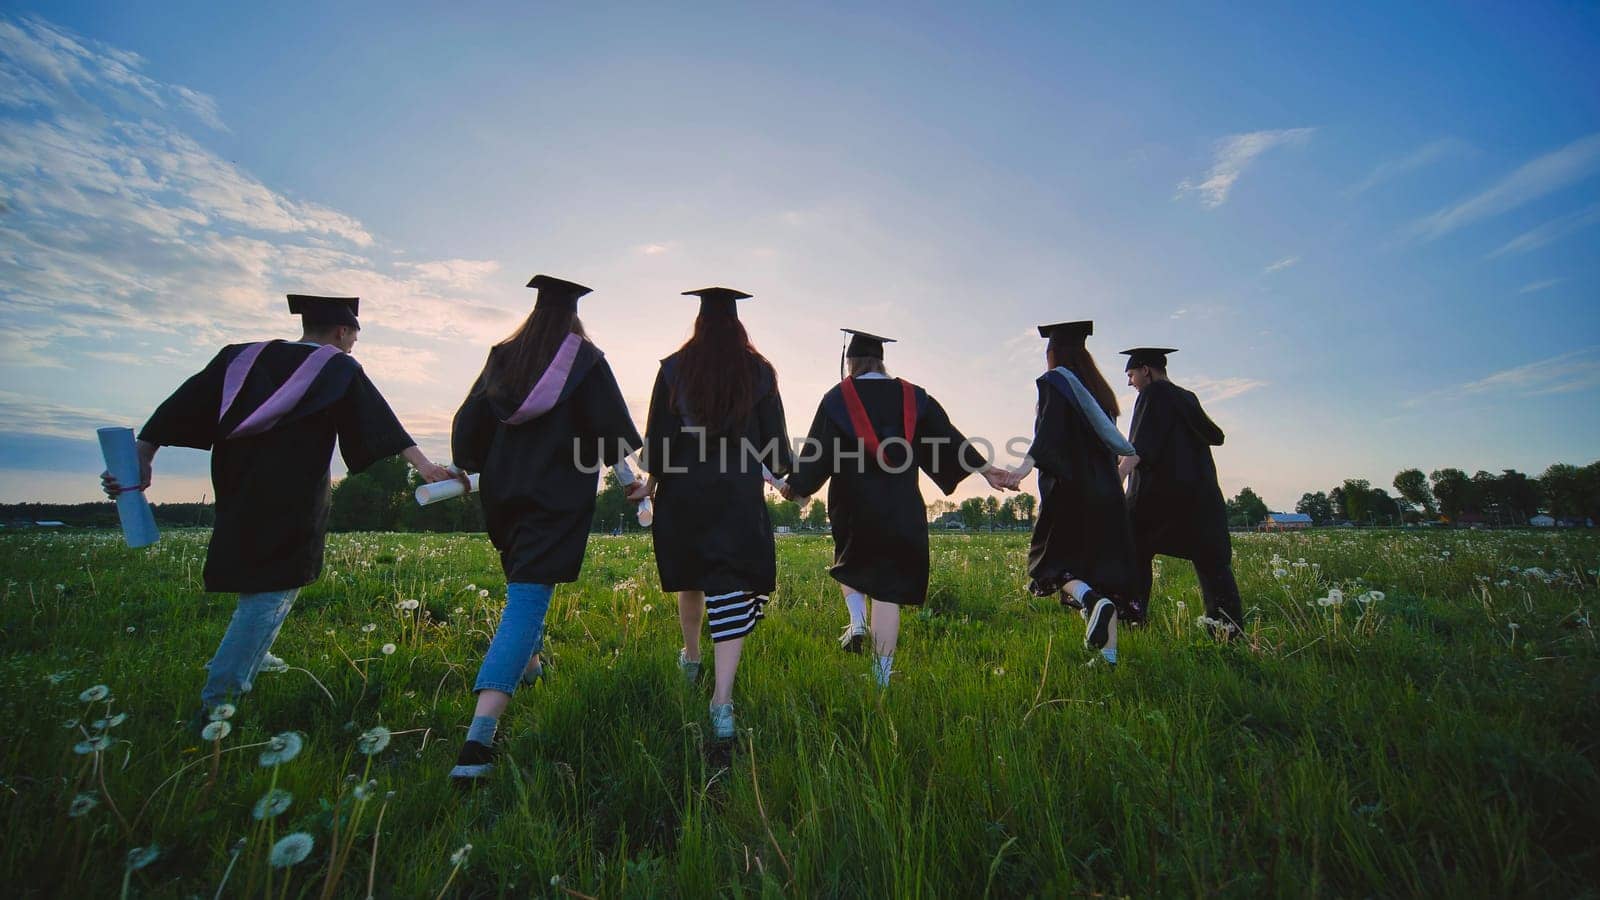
(1439, 739)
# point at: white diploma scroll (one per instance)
(122, 461)
(625, 477)
(443, 490)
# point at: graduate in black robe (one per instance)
(270, 413)
(1173, 497)
(715, 432)
(544, 417)
(1082, 547)
(872, 435)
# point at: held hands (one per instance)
(1002, 479)
(788, 493)
(1126, 465)
(432, 472)
(638, 492)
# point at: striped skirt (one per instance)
(734, 615)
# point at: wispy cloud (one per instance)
(1532, 180)
(1420, 158)
(118, 222)
(1568, 373)
(1540, 285)
(1218, 390)
(1550, 232)
(27, 415)
(1280, 265)
(1234, 154)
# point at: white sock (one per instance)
(885, 666)
(858, 608)
(1078, 592)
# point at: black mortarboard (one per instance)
(719, 301)
(315, 311)
(1147, 356)
(1067, 332)
(556, 293)
(864, 344)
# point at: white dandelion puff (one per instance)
(69, 724)
(373, 740)
(81, 805)
(272, 803)
(1280, 573)
(408, 605)
(139, 857)
(388, 649)
(290, 850)
(222, 712)
(997, 671)
(95, 694)
(649, 607)
(93, 745)
(368, 628)
(216, 731)
(459, 858)
(282, 748)
(483, 594)
(472, 587)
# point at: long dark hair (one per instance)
(1075, 357)
(528, 351)
(719, 371)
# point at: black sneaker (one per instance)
(1097, 628)
(473, 764)
(853, 638)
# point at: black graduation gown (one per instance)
(1173, 497)
(537, 479)
(711, 531)
(1082, 527)
(880, 524)
(272, 488)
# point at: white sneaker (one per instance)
(853, 638)
(689, 667)
(722, 721)
(270, 663)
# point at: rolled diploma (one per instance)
(775, 481)
(443, 490)
(625, 477)
(122, 461)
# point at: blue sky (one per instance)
(1372, 230)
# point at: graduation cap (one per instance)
(1147, 356)
(323, 311)
(1068, 332)
(556, 293)
(718, 300)
(864, 344)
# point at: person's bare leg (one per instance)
(533, 666)
(491, 703)
(885, 627)
(691, 610)
(726, 654)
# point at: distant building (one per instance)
(1542, 521)
(1286, 522)
(50, 523)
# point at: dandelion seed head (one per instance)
(93, 745)
(216, 731)
(369, 628)
(130, 629)
(81, 805)
(649, 607)
(388, 649)
(555, 880)
(282, 748)
(483, 594)
(94, 694)
(290, 850)
(69, 724)
(139, 857)
(408, 605)
(997, 671)
(459, 858)
(373, 740)
(271, 804)
(222, 712)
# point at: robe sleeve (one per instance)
(1202, 424)
(188, 418)
(660, 425)
(368, 428)
(603, 416)
(810, 474)
(940, 450)
(1049, 451)
(1156, 422)
(472, 430)
(776, 453)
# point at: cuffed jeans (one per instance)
(519, 637)
(256, 621)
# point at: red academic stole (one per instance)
(282, 401)
(863, 425)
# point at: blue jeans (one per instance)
(519, 637)
(255, 625)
